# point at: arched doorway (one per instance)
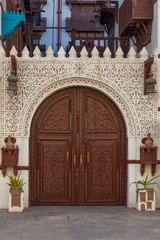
(78, 150)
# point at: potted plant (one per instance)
(145, 197)
(16, 194)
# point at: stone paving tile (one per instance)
(10, 236)
(77, 223)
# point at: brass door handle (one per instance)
(67, 156)
(87, 157)
(74, 160)
(81, 160)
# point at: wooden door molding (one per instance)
(50, 151)
(105, 146)
(75, 134)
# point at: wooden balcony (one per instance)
(133, 11)
(101, 43)
(41, 27)
(83, 25)
(135, 20)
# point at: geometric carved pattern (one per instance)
(122, 80)
(57, 117)
(52, 168)
(101, 170)
(105, 170)
(142, 9)
(98, 116)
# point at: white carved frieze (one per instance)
(121, 79)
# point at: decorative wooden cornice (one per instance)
(20, 168)
(141, 35)
(135, 20)
(133, 161)
(138, 161)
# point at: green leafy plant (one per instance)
(146, 183)
(16, 183)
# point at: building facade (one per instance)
(79, 121)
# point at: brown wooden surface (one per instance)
(148, 155)
(135, 20)
(133, 10)
(20, 168)
(89, 41)
(78, 150)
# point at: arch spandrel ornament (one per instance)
(80, 82)
(122, 81)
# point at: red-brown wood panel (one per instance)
(101, 172)
(104, 136)
(53, 172)
(78, 150)
(51, 151)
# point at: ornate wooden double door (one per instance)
(78, 150)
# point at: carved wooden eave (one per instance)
(135, 20)
(141, 35)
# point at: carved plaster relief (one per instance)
(121, 79)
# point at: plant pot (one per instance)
(145, 200)
(16, 200)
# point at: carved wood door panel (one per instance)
(104, 136)
(51, 139)
(78, 150)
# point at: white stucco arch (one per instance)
(121, 80)
(115, 96)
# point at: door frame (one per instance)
(33, 149)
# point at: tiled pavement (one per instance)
(77, 223)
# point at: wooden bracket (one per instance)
(148, 156)
(141, 35)
(153, 169)
(9, 156)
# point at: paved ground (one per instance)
(77, 223)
